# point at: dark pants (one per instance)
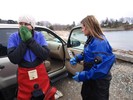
(96, 89)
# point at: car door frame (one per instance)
(71, 53)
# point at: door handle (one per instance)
(2, 67)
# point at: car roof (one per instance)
(16, 26)
(8, 25)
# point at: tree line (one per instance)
(126, 23)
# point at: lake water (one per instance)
(120, 39)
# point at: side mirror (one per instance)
(75, 43)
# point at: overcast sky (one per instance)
(66, 11)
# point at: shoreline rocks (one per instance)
(124, 55)
(129, 52)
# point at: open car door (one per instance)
(75, 46)
(55, 64)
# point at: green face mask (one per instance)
(25, 33)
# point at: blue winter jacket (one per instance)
(30, 53)
(96, 48)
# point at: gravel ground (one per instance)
(121, 85)
(69, 88)
(122, 82)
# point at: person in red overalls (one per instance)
(28, 48)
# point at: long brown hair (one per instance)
(93, 26)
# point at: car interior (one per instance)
(56, 58)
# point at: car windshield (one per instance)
(50, 37)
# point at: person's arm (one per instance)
(76, 59)
(40, 50)
(98, 71)
(15, 53)
(79, 57)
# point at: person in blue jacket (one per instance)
(29, 49)
(98, 59)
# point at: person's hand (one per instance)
(73, 61)
(25, 34)
(76, 77)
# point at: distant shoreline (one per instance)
(115, 29)
(129, 52)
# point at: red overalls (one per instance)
(28, 77)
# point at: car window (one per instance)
(50, 37)
(4, 35)
(77, 39)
